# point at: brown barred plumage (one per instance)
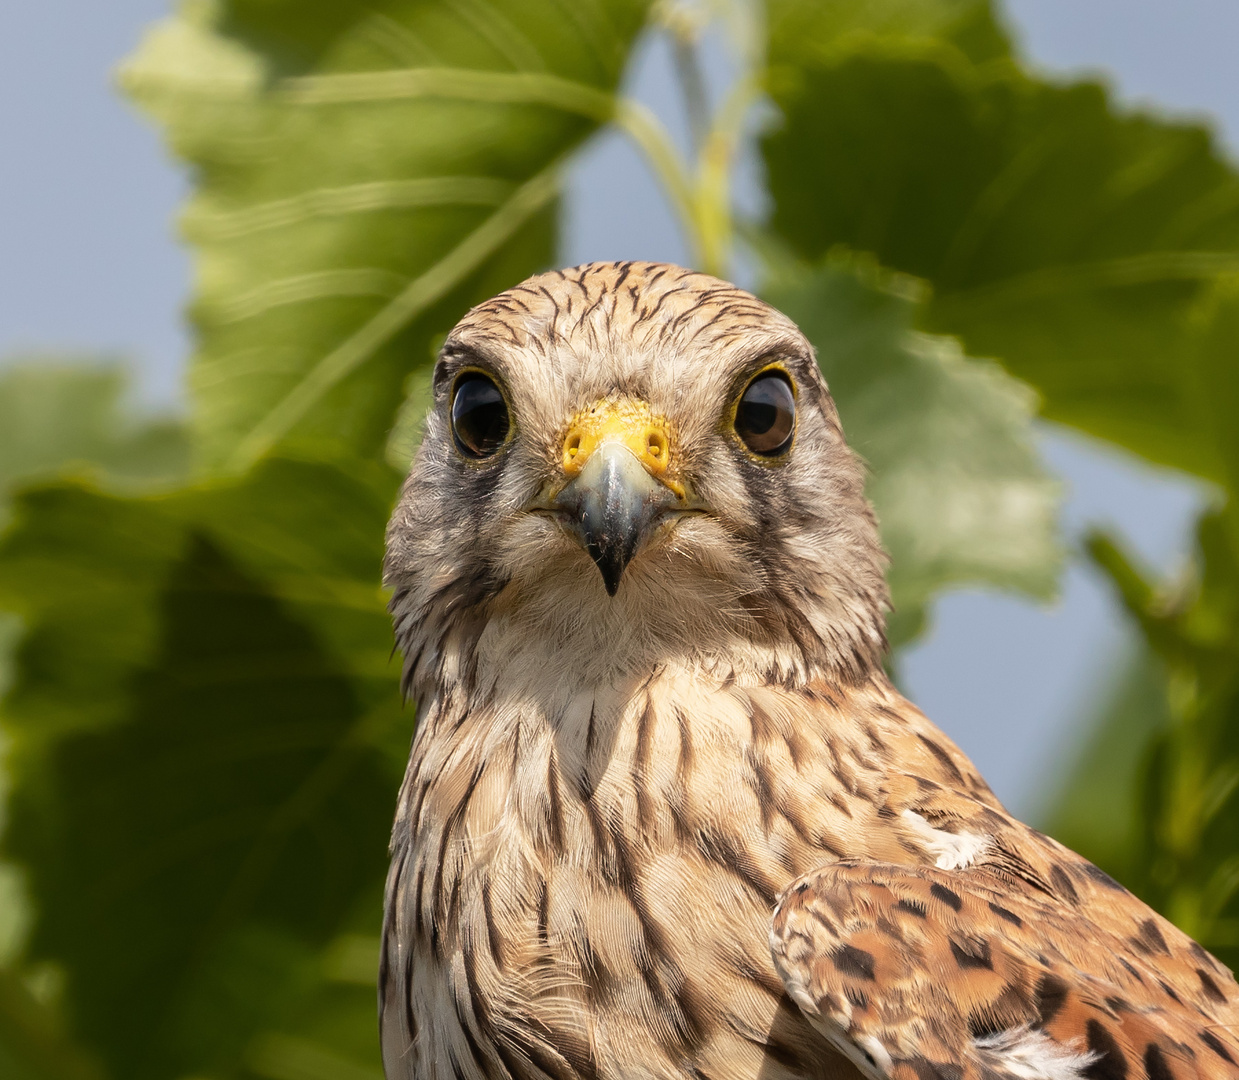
(607, 797)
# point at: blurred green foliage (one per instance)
(954, 476)
(59, 413)
(202, 724)
(1068, 240)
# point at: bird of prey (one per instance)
(665, 817)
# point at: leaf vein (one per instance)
(420, 293)
(205, 223)
(488, 87)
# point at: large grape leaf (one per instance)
(364, 174)
(802, 31)
(61, 413)
(206, 743)
(954, 474)
(1064, 237)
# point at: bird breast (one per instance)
(570, 876)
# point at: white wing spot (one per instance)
(951, 851)
(1026, 1054)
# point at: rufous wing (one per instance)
(918, 973)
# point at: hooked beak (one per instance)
(616, 456)
(612, 506)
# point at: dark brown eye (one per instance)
(766, 414)
(479, 416)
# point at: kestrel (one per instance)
(665, 817)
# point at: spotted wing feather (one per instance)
(926, 974)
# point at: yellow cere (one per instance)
(626, 421)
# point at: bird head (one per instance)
(626, 465)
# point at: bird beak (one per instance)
(616, 458)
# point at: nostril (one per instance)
(573, 446)
(656, 445)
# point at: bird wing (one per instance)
(1025, 963)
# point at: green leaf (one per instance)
(955, 477)
(32, 1046)
(332, 1033)
(61, 414)
(802, 30)
(1067, 239)
(206, 745)
(365, 174)
(1213, 380)
(1186, 863)
(58, 412)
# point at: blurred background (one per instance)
(1071, 528)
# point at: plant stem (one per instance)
(645, 129)
(700, 191)
(693, 87)
(718, 153)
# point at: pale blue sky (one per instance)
(88, 261)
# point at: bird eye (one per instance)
(766, 414)
(479, 416)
